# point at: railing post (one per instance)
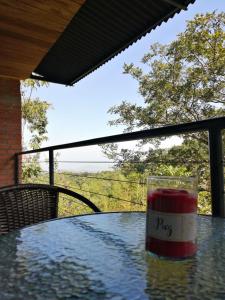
(16, 170)
(216, 171)
(51, 167)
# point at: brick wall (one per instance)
(10, 128)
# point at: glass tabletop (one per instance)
(102, 257)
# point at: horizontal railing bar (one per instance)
(175, 162)
(170, 130)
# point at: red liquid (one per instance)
(171, 201)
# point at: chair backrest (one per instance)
(27, 204)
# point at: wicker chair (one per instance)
(28, 204)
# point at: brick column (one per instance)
(10, 128)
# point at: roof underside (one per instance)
(28, 29)
(100, 30)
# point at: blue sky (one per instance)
(80, 112)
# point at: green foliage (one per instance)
(204, 206)
(109, 190)
(112, 190)
(31, 169)
(34, 114)
(185, 82)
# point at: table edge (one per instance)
(91, 214)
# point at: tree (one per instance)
(34, 114)
(185, 83)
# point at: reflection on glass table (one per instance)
(103, 257)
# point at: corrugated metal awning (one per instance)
(99, 31)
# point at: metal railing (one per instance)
(214, 128)
(123, 188)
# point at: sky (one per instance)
(80, 112)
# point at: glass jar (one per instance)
(171, 223)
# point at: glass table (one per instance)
(102, 257)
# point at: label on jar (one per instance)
(176, 227)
